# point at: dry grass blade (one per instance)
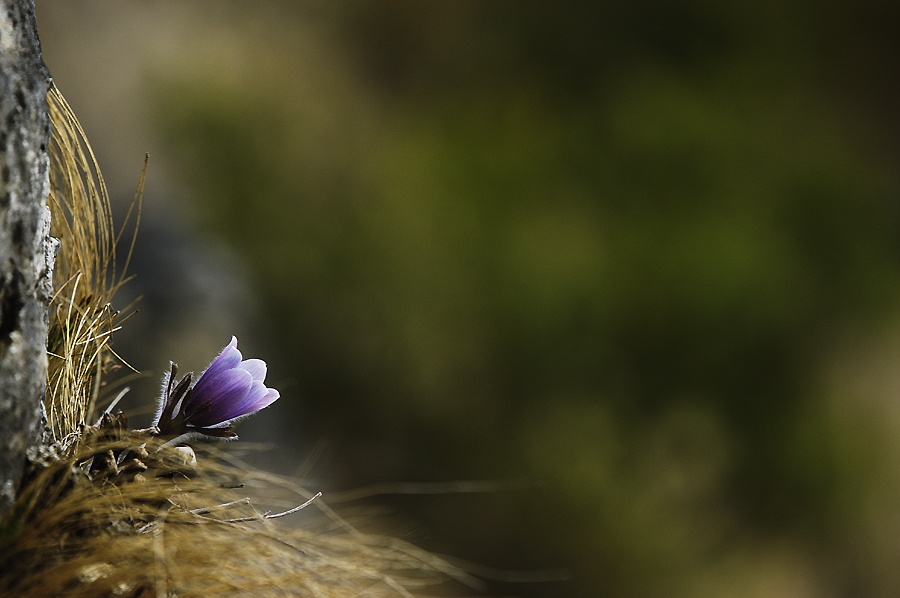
(86, 278)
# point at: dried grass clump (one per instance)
(82, 319)
(124, 516)
(105, 511)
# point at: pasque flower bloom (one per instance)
(230, 389)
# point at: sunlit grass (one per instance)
(86, 276)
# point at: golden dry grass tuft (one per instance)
(161, 524)
(85, 278)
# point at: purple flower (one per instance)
(230, 389)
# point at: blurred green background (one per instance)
(645, 254)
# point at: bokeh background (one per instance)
(642, 254)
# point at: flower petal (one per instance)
(256, 367)
(219, 399)
(270, 397)
(247, 404)
(257, 399)
(228, 359)
(260, 398)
